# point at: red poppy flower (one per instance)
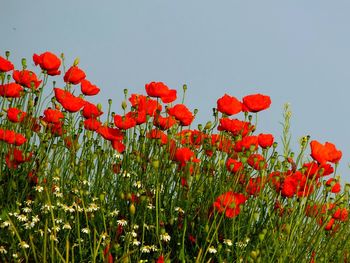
(248, 143)
(256, 102)
(124, 122)
(53, 116)
(233, 165)
(143, 103)
(5, 65)
(158, 134)
(26, 78)
(92, 124)
(265, 140)
(315, 170)
(229, 203)
(139, 116)
(16, 157)
(49, 62)
(257, 161)
(325, 153)
(160, 259)
(170, 97)
(88, 89)
(289, 187)
(254, 186)
(12, 137)
(192, 137)
(15, 115)
(118, 145)
(335, 186)
(74, 75)
(11, 90)
(229, 105)
(110, 134)
(341, 214)
(236, 127)
(91, 111)
(183, 155)
(68, 101)
(164, 123)
(182, 114)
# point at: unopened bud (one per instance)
(7, 54)
(124, 105)
(208, 125)
(132, 209)
(184, 87)
(24, 63)
(76, 62)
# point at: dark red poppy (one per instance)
(68, 101)
(11, 90)
(26, 78)
(49, 62)
(5, 65)
(254, 186)
(74, 75)
(182, 114)
(229, 105)
(15, 115)
(256, 102)
(15, 157)
(87, 88)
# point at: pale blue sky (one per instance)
(294, 51)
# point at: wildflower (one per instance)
(160, 90)
(53, 238)
(38, 188)
(85, 230)
(15, 115)
(334, 185)
(228, 242)
(256, 102)
(164, 123)
(145, 249)
(135, 242)
(88, 89)
(114, 213)
(122, 222)
(74, 75)
(235, 126)
(27, 209)
(11, 90)
(257, 161)
(53, 116)
(22, 218)
(92, 207)
(124, 122)
(179, 210)
(35, 219)
(26, 78)
(325, 153)
(265, 140)
(182, 114)
(67, 226)
(68, 101)
(233, 165)
(229, 105)
(5, 65)
(110, 134)
(212, 250)
(3, 250)
(23, 244)
(5, 224)
(49, 62)
(229, 203)
(165, 237)
(91, 111)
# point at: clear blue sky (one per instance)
(294, 51)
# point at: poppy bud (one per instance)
(208, 125)
(124, 105)
(125, 92)
(76, 62)
(184, 87)
(132, 209)
(7, 54)
(24, 63)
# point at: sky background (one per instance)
(294, 51)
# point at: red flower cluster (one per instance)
(160, 90)
(229, 203)
(325, 153)
(12, 137)
(48, 62)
